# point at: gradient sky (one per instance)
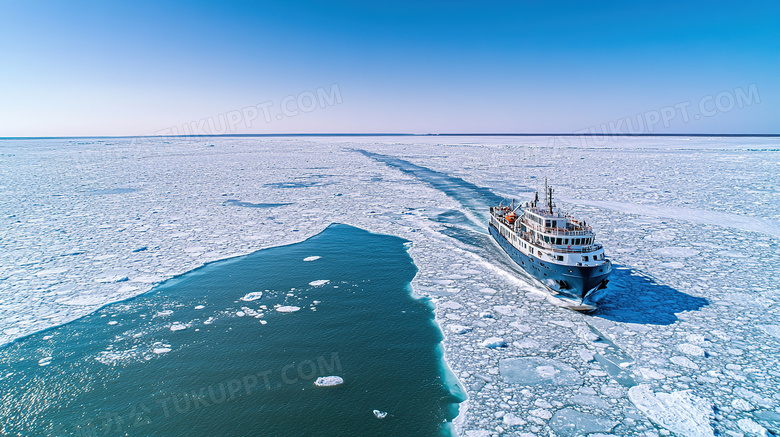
(71, 68)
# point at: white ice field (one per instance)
(685, 342)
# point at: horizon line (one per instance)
(569, 134)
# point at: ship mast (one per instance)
(548, 191)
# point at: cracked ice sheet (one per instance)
(76, 211)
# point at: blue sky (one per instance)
(145, 67)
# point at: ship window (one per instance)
(577, 241)
(560, 257)
(585, 258)
(566, 241)
(559, 241)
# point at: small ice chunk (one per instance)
(380, 414)
(113, 322)
(287, 309)
(44, 361)
(240, 313)
(328, 381)
(541, 413)
(319, 282)
(161, 350)
(511, 419)
(178, 327)
(505, 310)
(494, 342)
(252, 296)
(741, 404)
(459, 329)
(163, 313)
(684, 362)
(199, 307)
(750, 427)
(690, 349)
(312, 258)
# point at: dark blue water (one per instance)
(123, 371)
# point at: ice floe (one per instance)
(536, 370)
(680, 412)
(319, 282)
(312, 258)
(252, 296)
(287, 309)
(328, 381)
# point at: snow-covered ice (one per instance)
(319, 282)
(312, 258)
(691, 225)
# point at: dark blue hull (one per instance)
(573, 282)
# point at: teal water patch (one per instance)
(236, 202)
(234, 348)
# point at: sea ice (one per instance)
(570, 422)
(380, 414)
(773, 330)
(328, 381)
(252, 296)
(494, 342)
(319, 282)
(459, 329)
(511, 419)
(691, 349)
(675, 252)
(178, 327)
(679, 412)
(312, 258)
(161, 350)
(538, 371)
(287, 309)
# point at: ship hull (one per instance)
(576, 283)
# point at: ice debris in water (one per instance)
(199, 307)
(380, 414)
(319, 282)
(44, 361)
(252, 296)
(312, 258)
(161, 350)
(536, 371)
(163, 313)
(178, 326)
(328, 381)
(679, 412)
(287, 309)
